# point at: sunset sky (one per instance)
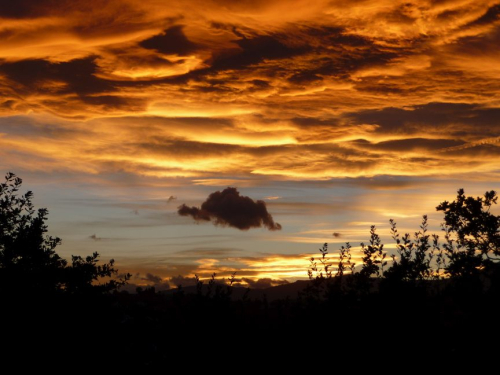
(336, 114)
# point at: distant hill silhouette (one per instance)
(290, 290)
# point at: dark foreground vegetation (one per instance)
(432, 299)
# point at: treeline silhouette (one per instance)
(432, 297)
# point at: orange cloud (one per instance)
(254, 88)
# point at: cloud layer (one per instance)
(332, 89)
(229, 208)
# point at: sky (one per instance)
(321, 117)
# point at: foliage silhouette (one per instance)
(413, 263)
(470, 254)
(472, 234)
(320, 274)
(345, 304)
(373, 262)
(27, 255)
(28, 260)
(83, 274)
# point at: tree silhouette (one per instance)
(28, 260)
(27, 255)
(472, 234)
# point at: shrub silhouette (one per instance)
(373, 262)
(325, 279)
(469, 255)
(28, 260)
(413, 263)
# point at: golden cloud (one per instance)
(323, 90)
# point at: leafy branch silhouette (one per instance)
(471, 251)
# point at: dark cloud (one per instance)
(112, 102)
(103, 17)
(382, 88)
(336, 53)
(24, 8)
(96, 18)
(39, 8)
(336, 234)
(484, 121)
(264, 283)
(161, 123)
(475, 152)
(26, 126)
(183, 280)
(196, 213)
(305, 77)
(180, 148)
(260, 84)
(253, 51)
(342, 65)
(152, 278)
(77, 76)
(338, 37)
(133, 57)
(313, 121)
(403, 14)
(171, 41)
(229, 208)
(410, 144)
(491, 15)
(448, 14)
(476, 45)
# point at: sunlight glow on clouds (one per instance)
(251, 93)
